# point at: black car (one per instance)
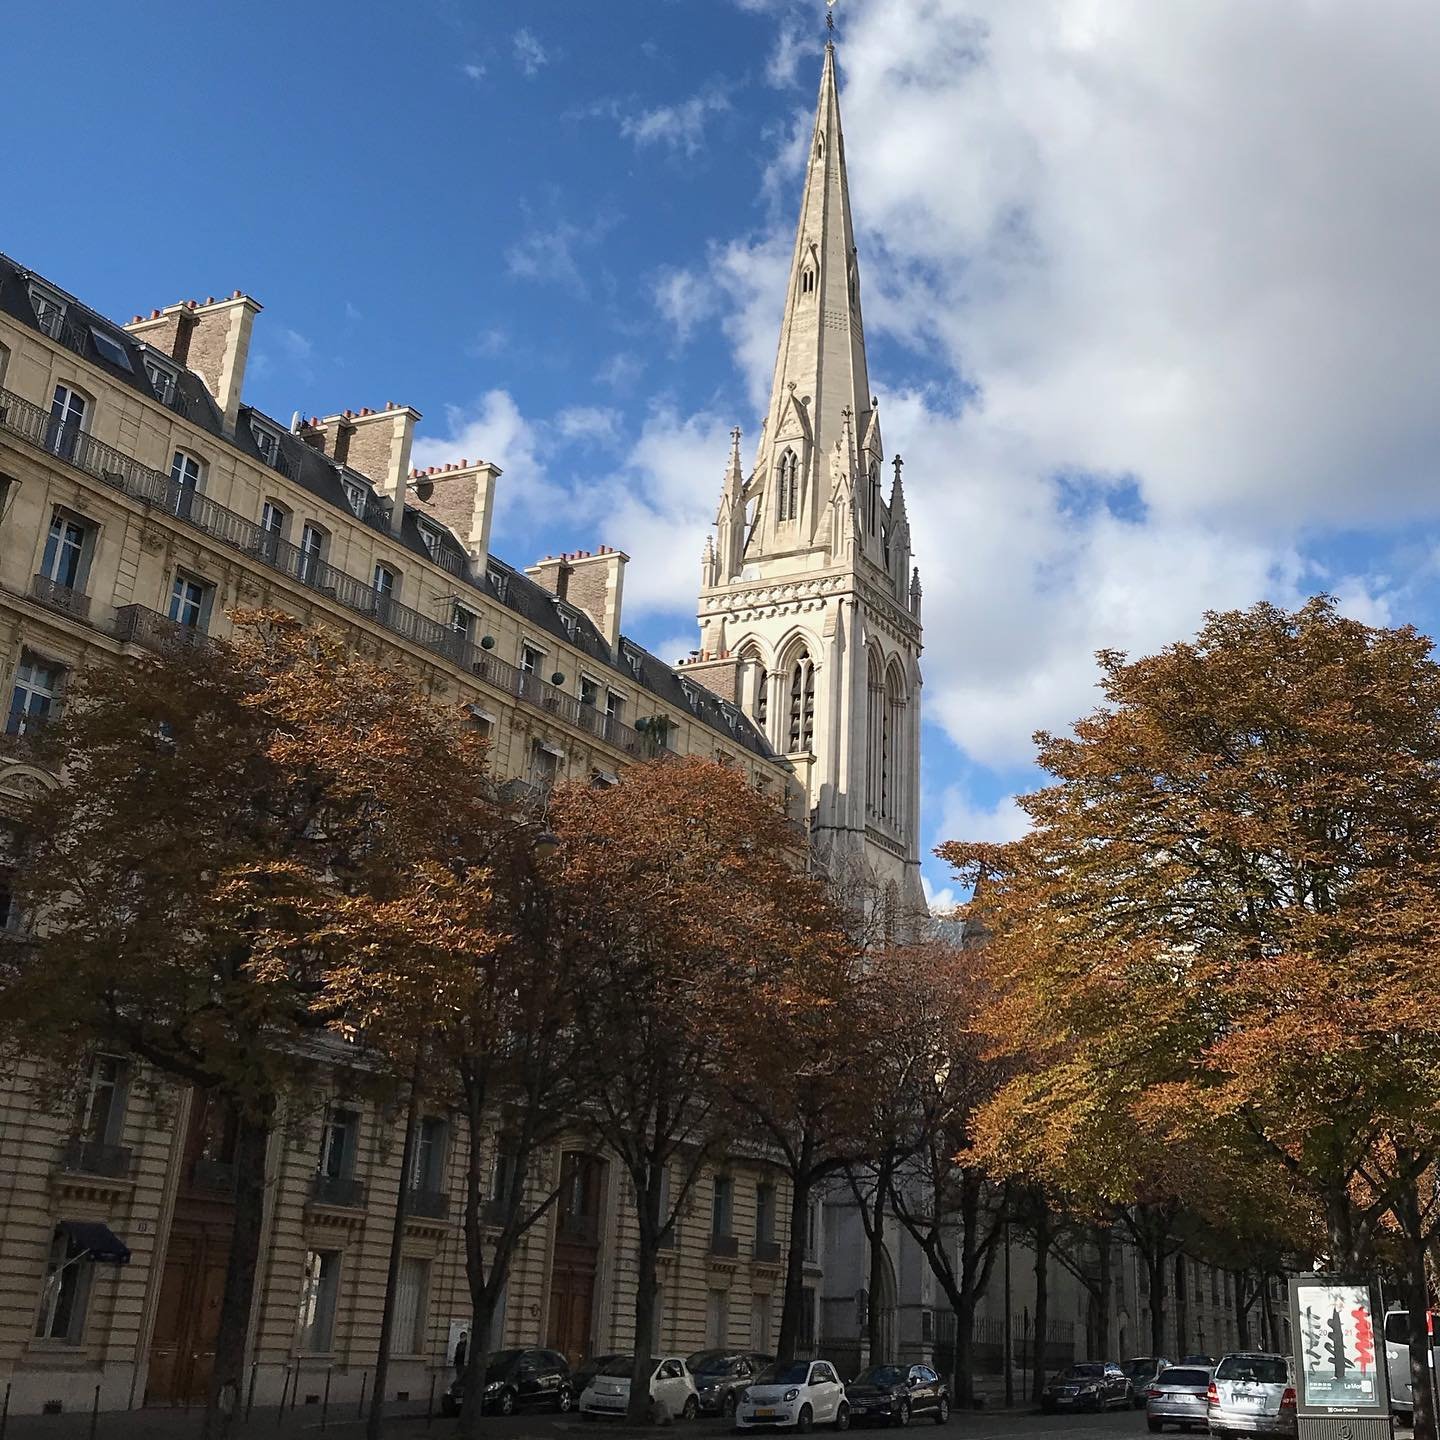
(894, 1394)
(720, 1376)
(519, 1379)
(1095, 1385)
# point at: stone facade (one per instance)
(138, 496)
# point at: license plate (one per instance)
(1065, 1400)
(765, 1414)
(857, 1409)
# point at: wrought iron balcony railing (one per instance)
(767, 1252)
(428, 1204)
(725, 1247)
(343, 1192)
(60, 597)
(92, 1157)
(135, 625)
(113, 467)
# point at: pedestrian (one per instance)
(462, 1346)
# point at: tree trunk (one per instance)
(1182, 1304)
(646, 1289)
(376, 1418)
(1242, 1311)
(484, 1283)
(877, 1275)
(1155, 1276)
(1267, 1314)
(1044, 1238)
(964, 1309)
(227, 1378)
(1417, 1299)
(785, 1346)
(1340, 1230)
(1105, 1289)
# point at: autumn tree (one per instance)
(691, 887)
(1222, 925)
(232, 817)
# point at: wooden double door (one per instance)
(187, 1320)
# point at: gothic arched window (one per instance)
(788, 492)
(802, 703)
(807, 280)
(760, 694)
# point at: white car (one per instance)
(800, 1393)
(671, 1385)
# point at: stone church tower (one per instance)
(809, 608)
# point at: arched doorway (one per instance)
(577, 1255)
(883, 1306)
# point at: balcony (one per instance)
(213, 1177)
(113, 467)
(135, 625)
(428, 1204)
(725, 1247)
(60, 597)
(341, 1192)
(92, 1157)
(767, 1252)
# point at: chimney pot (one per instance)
(154, 314)
(235, 294)
(209, 299)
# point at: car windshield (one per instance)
(624, 1365)
(501, 1361)
(1177, 1376)
(1082, 1372)
(880, 1375)
(710, 1362)
(1263, 1369)
(794, 1373)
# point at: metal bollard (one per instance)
(325, 1404)
(430, 1403)
(5, 1411)
(95, 1413)
(250, 1398)
(284, 1386)
(360, 1408)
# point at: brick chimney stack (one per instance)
(552, 574)
(592, 583)
(376, 444)
(212, 339)
(463, 497)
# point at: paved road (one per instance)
(303, 1425)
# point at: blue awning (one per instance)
(91, 1240)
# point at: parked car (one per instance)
(1397, 1360)
(587, 1370)
(1206, 1362)
(516, 1380)
(1142, 1371)
(1252, 1393)
(798, 1393)
(720, 1376)
(1094, 1385)
(670, 1385)
(894, 1394)
(1180, 1395)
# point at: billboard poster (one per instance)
(1339, 1345)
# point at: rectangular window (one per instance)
(67, 421)
(544, 765)
(807, 1318)
(462, 622)
(65, 545)
(764, 1213)
(384, 582)
(101, 1114)
(36, 692)
(337, 1146)
(760, 1323)
(162, 379)
(481, 722)
(530, 659)
(501, 1174)
(717, 1319)
(64, 1295)
(411, 1294)
(812, 1231)
(614, 705)
(273, 518)
(184, 482)
(589, 691)
(312, 551)
(317, 1300)
(428, 1171)
(722, 1206)
(189, 601)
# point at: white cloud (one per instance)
(621, 370)
(680, 128)
(939, 899)
(551, 253)
(597, 423)
(472, 71)
(684, 298)
(961, 818)
(530, 55)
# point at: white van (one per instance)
(1397, 1359)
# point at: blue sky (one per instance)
(1149, 289)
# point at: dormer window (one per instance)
(499, 583)
(691, 694)
(162, 380)
(632, 658)
(109, 349)
(431, 537)
(267, 442)
(49, 311)
(355, 497)
(568, 618)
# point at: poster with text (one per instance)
(1337, 1346)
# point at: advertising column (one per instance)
(1338, 1332)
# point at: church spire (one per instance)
(821, 356)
